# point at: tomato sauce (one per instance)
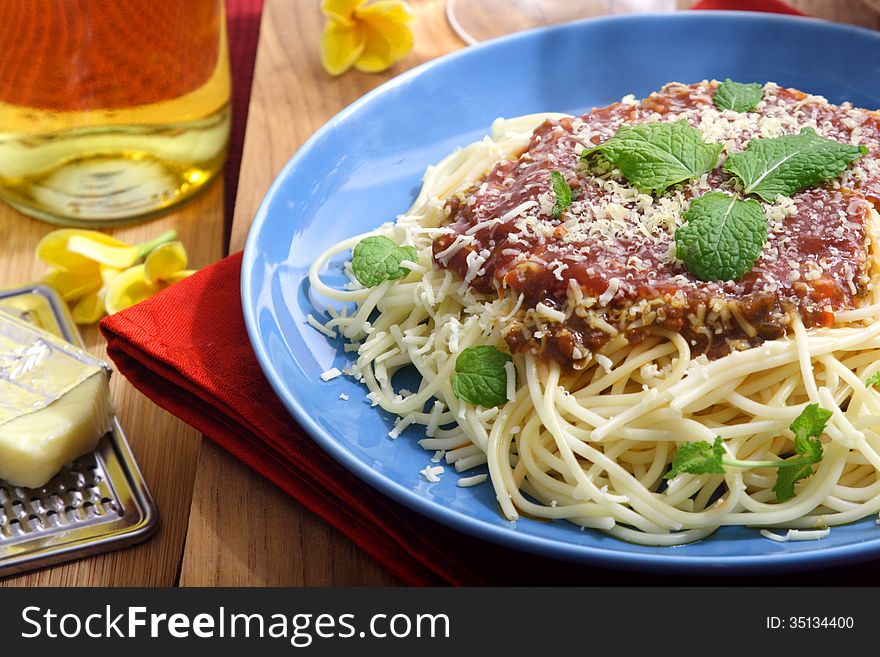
(608, 263)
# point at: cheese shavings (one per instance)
(550, 313)
(318, 326)
(432, 473)
(466, 482)
(510, 371)
(330, 374)
(796, 535)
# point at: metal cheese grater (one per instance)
(96, 504)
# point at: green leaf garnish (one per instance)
(807, 427)
(786, 477)
(737, 96)
(785, 165)
(480, 376)
(653, 156)
(563, 194)
(873, 380)
(699, 457)
(377, 259)
(722, 238)
(702, 457)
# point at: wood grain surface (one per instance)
(284, 544)
(165, 448)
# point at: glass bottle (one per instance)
(110, 110)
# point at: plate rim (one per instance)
(523, 542)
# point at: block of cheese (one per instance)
(54, 403)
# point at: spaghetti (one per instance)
(592, 422)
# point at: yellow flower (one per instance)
(164, 266)
(84, 263)
(371, 36)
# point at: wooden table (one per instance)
(166, 449)
(202, 543)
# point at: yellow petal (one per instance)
(377, 55)
(89, 309)
(340, 10)
(390, 9)
(72, 285)
(387, 41)
(108, 274)
(52, 249)
(118, 257)
(398, 34)
(178, 276)
(164, 261)
(128, 288)
(341, 46)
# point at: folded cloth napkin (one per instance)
(199, 365)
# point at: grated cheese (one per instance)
(314, 323)
(400, 425)
(796, 535)
(331, 374)
(510, 371)
(550, 313)
(606, 297)
(432, 473)
(466, 482)
(456, 246)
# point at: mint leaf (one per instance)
(653, 156)
(562, 192)
(811, 421)
(785, 165)
(786, 478)
(873, 380)
(809, 447)
(697, 457)
(807, 427)
(737, 96)
(480, 377)
(377, 259)
(722, 238)
(703, 458)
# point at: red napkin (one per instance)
(199, 365)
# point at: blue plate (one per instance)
(364, 167)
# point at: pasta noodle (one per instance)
(591, 444)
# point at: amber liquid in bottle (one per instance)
(110, 110)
